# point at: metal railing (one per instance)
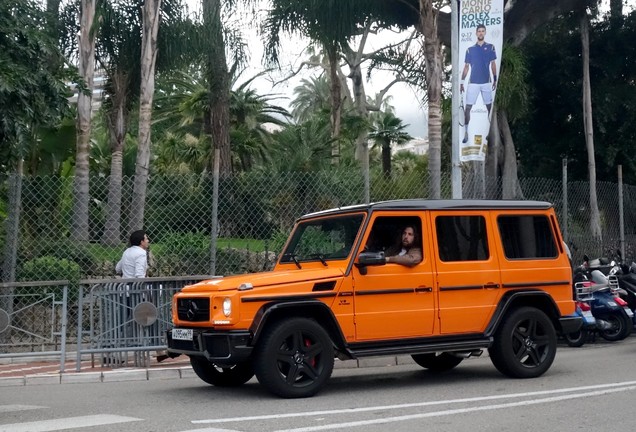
(120, 320)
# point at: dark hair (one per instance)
(480, 26)
(137, 237)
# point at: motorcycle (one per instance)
(614, 319)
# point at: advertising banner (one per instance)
(480, 43)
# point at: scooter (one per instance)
(614, 319)
(583, 310)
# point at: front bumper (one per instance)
(570, 324)
(228, 347)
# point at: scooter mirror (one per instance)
(586, 258)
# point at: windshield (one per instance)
(323, 239)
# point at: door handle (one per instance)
(491, 285)
(423, 289)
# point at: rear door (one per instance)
(468, 276)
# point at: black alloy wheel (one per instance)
(221, 376)
(525, 344)
(294, 358)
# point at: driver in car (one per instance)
(407, 251)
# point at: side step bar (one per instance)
(420, 348)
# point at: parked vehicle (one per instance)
(614, 319)
(578, 338)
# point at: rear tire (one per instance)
(225, 376)
(294, 358)
(437, 362)
(525, 344)
(576, 339)
(619, 330)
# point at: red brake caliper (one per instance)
(313, 359)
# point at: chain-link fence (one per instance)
(255, 213)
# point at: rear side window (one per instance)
(462, 238)
(525, 237)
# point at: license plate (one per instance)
(182, 334)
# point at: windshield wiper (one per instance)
(321, 257)
(294, 259)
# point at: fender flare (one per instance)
(537, 298)
(309, 308)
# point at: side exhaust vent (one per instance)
(324, 286)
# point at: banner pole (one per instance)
(456, 169)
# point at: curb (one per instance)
(167, 373)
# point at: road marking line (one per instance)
(11, 408)
(211, 430)
(455, 411)
(415, 405)
(67, 423)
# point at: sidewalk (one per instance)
(33, 372)
(29, 371)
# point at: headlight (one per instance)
(227, 306)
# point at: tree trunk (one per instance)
(386, 158)
(433, 53)
(53, 28)
(616, 13)
(595, 218)
(219, 82)
(493, 156)
(13, 224)
(336, 103)
(81, 197)
(117, 125)
(151, 15)
(509, 178)
(360, 101)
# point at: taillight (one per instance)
(584, 306)
(620, 301)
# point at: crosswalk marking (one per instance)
(67, 423)
(11, 408)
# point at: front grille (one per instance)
(193, 309)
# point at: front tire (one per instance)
(437, 362)
(294, 358)
(525, 344)
(226, 376)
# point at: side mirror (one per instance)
(371, 259)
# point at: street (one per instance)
(588, 388)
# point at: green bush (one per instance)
(50, 268)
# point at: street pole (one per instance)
(456, 169)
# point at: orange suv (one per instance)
(493, 275)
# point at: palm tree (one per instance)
(303, 147)
(150, 28)
(86, 51)
(595, 217)
(386, 130)
(186, 109)
(311, 96)
(432, 47)
(249, 112)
